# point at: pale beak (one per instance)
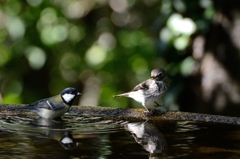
(79, 94)
(152, 78)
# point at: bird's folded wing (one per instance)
(53, 103)
(142, 86)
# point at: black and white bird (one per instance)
(150, 90)
(68, 142)
(53, 107)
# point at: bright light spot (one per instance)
(180, 25)
(15, 27)
(120, 19)
(46, 36)
(186, 66)
(205, 3)
(209, 12)
(107, 41)
(179, 5)
(181, 42)
(51, 35)
(52, 28)
(198, 47)
(75, 10)
(165, 35)
(48, 16)
(118, 6)
(36, 57)
(59, 33)
(96, 55)
(34, 3)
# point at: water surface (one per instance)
(95, 137)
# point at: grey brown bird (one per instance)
(150, 90)
(52, 107)
(147, 135)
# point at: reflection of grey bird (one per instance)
(68, 142)
(148, 136)
(150, 90)
(52, 107)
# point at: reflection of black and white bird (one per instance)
(68, 142)
(52, 107)
(150, 90)
(147, 135)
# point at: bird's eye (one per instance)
(160, 74)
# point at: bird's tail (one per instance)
(122, 95)
(30, 107)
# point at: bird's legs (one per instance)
(144, 105)
(157, 105)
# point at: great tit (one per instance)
(68, 142)
(53, 107)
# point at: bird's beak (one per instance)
(79, 94)
(152, 78)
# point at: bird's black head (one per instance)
(68, 95)
(158, 74)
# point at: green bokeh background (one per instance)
(100, 47)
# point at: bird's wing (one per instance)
(52, 103)
(142, 86)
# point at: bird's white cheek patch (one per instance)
(68, 97)
(67, 140)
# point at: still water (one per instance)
(95, 137)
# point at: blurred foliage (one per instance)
(100, 47)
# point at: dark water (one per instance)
(93, 137)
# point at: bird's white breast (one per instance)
(153, 93)
(51, 114)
